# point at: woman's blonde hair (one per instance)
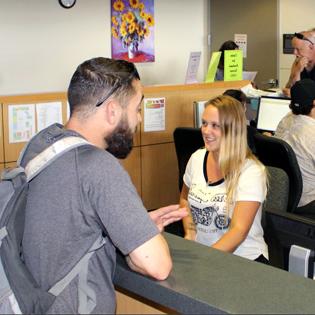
(233, 147)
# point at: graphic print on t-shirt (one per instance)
(208, 207)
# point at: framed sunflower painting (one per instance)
(132, 29)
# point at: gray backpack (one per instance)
(19, 292)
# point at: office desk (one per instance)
(205, 281)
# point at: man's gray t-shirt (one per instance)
(81, 195)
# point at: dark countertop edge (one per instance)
(193, 287)
(156, 292)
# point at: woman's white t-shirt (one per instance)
(208, 204)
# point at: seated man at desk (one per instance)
(298, 129)
(225, 185)
(304, 64)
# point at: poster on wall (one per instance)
(241, 42)
(48, 114)
(154, 114)
(21, 122)
(132, 30)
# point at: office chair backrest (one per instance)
(276, 201)
(275, 152)
(278, 189)
(187, 140)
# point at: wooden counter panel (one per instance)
(132, 165)
(159, 175)
(128, 303)
(196, 86)
(1, 136)
(179, 106)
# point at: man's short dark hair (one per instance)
(97, 79)
(237, 94)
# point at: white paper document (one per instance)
(192, 69)
(48, 114)
(154, 114)
(21, 122)
(241, 41)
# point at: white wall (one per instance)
(294, 16)
(42, 43)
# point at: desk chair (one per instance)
(275, 152)
(276, 201)
(187, 140)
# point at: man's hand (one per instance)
(167, 215)
(299, 64)
(286, 92)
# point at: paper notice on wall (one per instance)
(192, 69)
(154, 114)
(48, 114)
(241, 41)
(21, 122)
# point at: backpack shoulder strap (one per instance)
(87, 296)
(50, 154)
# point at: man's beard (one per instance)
(120, 141)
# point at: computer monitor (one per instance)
(282, 230)
(270, 111)
(252, 108)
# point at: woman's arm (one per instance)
(242, 220)
(188, 222)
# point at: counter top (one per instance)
(205, 281)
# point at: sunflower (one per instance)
(146, 32)
(114, 32)
(114, 20)
(132, 28)
(134, 3)
(123, 17)
(142, 14)
(141, 6)
(123, 30)
(141, 32)
(130, 17)
(150, 19)
(118, 6)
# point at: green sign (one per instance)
(233, 65)
(213, 65)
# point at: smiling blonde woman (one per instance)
(225, 185)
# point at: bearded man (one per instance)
(86, 193)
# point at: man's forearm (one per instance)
(292, 79)
(134, 267)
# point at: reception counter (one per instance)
(207, 281)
